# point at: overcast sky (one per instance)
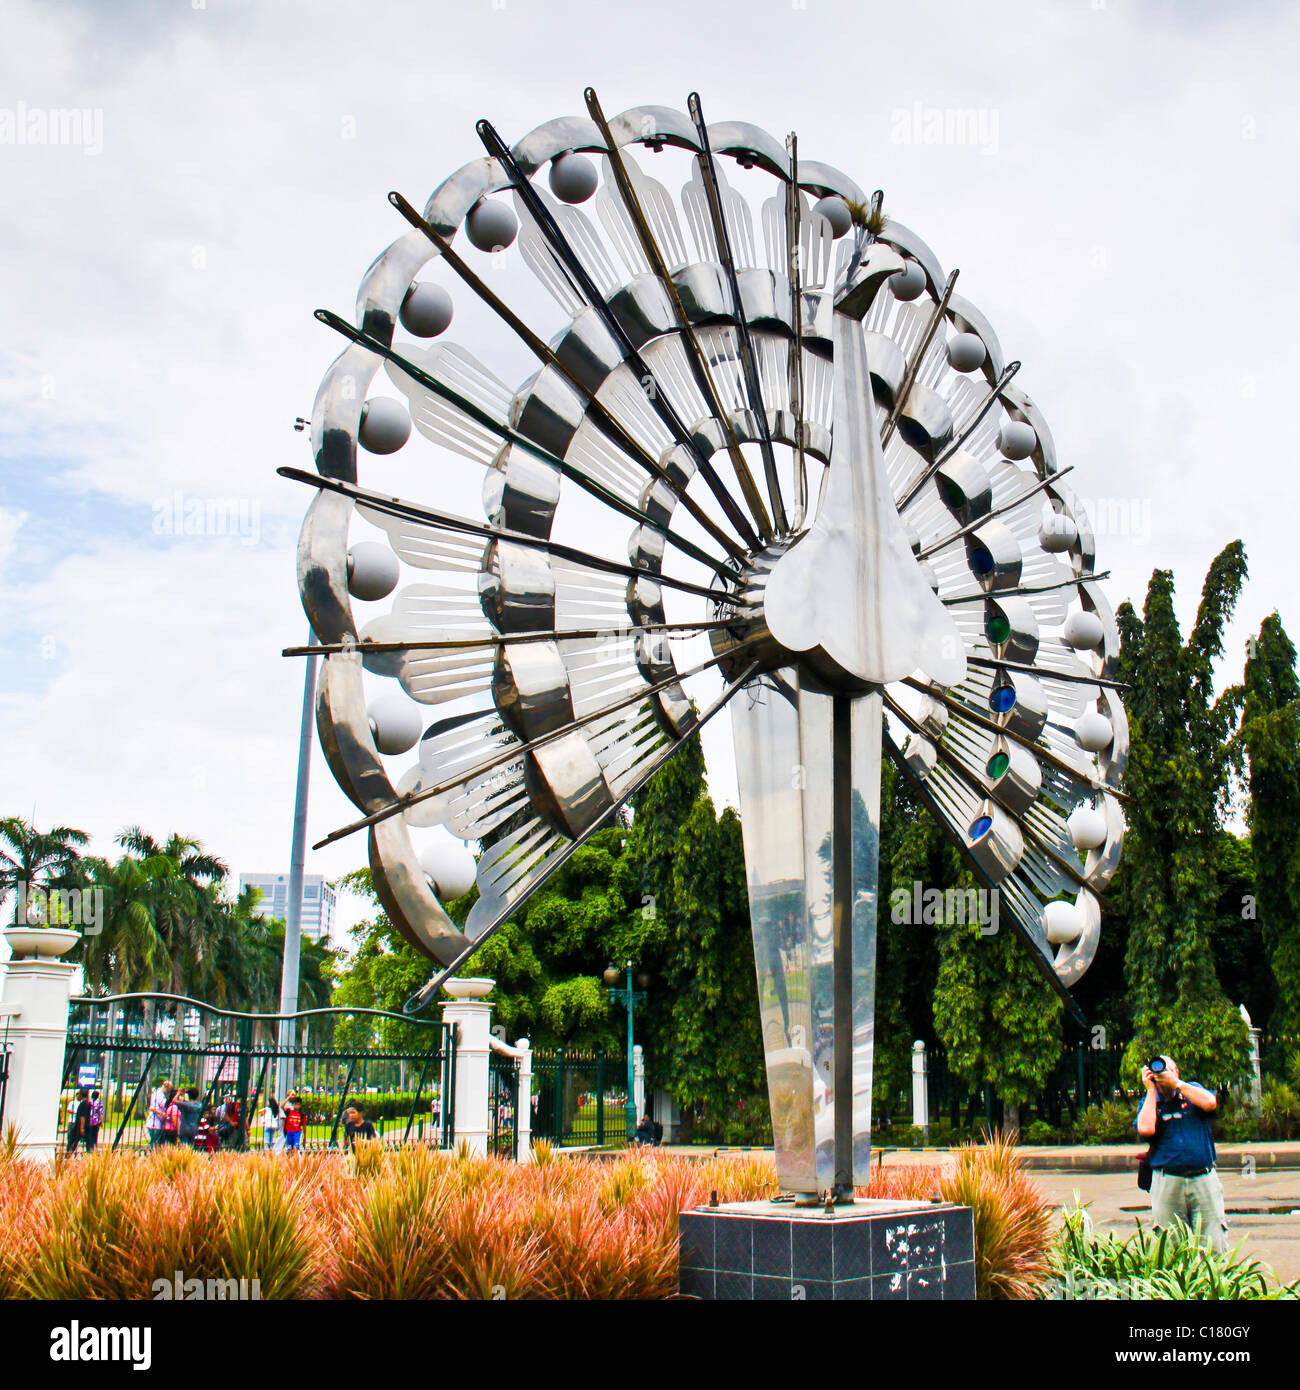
(1123, 208)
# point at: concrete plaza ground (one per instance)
(1256, 1179)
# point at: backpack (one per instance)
(96, 1113)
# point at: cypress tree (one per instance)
(1177, 786)
(1270, 736)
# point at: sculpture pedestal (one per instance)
(882, 1250)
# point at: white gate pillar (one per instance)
(1256, 1067)
(920, 1088)
(638, 1081)
(37, 987)
(524, 1103)
(472, 1017)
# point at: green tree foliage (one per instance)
(994, 1011)
(688, 878)
(1270, 737)
(1177, 786)
(912, 850)
(1241, 959)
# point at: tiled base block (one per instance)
(870, 1250)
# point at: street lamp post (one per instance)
(630, 998)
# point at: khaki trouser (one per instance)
(1188, 1198)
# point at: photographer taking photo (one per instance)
(1175, 1117)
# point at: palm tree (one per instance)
(128, 954)
(46, 858)
(182, 908)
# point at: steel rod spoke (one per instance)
(659, 400)
(502, 639)
(481, 417)
(517, 750)
(749, 365)
(972, 425)
(605, 422)
(944, 541)
(422, 997)
(395, 506)
(918, 357)
(1021, 590)
(695, 355)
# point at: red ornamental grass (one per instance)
(1013, 1222)
(419, 1224)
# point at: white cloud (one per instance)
(1131, 240)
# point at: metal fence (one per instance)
(396, 1069)
(580, 1098)
(1083, 1076)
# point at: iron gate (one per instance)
(580, 1098)
(399, 1070)
(503, 1106)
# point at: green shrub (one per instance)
(1279, 1111)
(1040, 1132)
(392, 1105)
(1162, 1266)
(1235, 1122)
(1109, 1123)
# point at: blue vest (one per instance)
(1184, 1138)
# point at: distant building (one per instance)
(273, 901)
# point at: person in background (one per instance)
(1175, 1117)
(226, 1122)
(293, 1124)
(361, 1127)
(645, 1131)
(157, 1104)
(79, 1123)
(207, 1139)
(95, 1120)
(171, 1116)
(271, 1122)
(189, 1109)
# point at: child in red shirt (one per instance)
(293, 1123)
